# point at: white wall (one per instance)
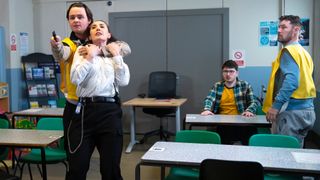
(245, 16)
(16, 16)
(316, 45)
(48, 17)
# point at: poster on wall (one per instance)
(304, 34)
(268, 33)
(24, 43)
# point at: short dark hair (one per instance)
(230, 64)
(294, 20)
(80, 5)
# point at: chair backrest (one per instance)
(259, 111)
(162, 85)
(230, 170)
(4, 123)
(198, 136)
(274, 140)
(50, 124)
(61, 103)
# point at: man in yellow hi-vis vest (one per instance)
(291, 90)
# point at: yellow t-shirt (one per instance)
(228, 104)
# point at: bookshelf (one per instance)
(40, 71)
(4, 98)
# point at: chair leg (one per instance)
(21, 170)
(166, 133)
(30, 173)
(161, 133)
(65, 164)
(18, 164)
(39, 170)
(149, 134)
(5, 165)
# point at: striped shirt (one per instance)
(243, 93)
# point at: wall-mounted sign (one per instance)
(239, 57)
(13, 42)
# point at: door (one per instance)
(192, 43)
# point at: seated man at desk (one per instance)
(231, 96)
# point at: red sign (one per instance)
(239, 62)
(13, 47)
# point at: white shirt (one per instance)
(100, 76)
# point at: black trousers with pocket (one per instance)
(68, 113)
(102, 128)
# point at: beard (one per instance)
(284, 39)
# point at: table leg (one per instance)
(178, 119)
(163, 172)
(13, 121)
(137, 173)
(13, 125)
(43, 162)
(133, 140)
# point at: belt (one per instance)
(97, 99)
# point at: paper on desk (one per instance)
(310, 158)
(33, 110)
(158, 149)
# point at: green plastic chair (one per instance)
(4, 151)
(275, 140)
(61, 103)
(192, 136)
(54, 155)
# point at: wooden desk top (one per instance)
(44, 112)
(227, 119)
(271, 158)
(28, 138)
(153, 102)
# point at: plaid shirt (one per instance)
(243, 93)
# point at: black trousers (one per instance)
(229, 134)
(102, 128)
(68, 113)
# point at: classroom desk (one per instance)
(27, 138)
(151, 102)
(286, 160)
(233, 120)
(38, 113)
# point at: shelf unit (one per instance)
(40, 72)
(4, 97)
